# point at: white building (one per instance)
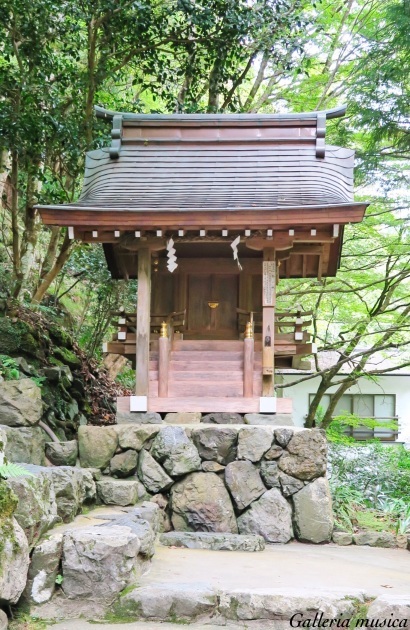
(384, 397)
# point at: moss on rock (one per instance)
(8, 501)
(67, 357)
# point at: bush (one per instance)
(370, 486)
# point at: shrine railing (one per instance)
(285, 329)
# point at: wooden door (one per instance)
(212, 303)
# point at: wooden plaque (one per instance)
(269, 283)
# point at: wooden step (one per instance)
(205, 366)
(206, 404)
(205, 344)
(200, 375)
(208, 389)
(205, 355)
(178, 389)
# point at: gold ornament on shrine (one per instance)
(249, 331)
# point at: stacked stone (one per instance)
(259, 479)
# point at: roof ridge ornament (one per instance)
(116, 136)
(320, 134)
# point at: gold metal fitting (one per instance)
(213, 304)
(164, 330)
(249, 331)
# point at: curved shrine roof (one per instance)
(192, 162)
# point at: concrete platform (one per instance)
(294, 569)
(294, 572)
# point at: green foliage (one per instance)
(126, 378)
(39, 380)
(11, 470)
(336, 431)
(59, 579)
(9, 369)
(374, 520)
(369, 489)
(346, 500)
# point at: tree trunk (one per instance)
(15, 224)
(310, 421)
(62, 258)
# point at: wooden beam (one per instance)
(143, 322)
(248, 366)
(206, 219)
(268, 321)
(163, 363)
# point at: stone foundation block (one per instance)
(119, 491)
(215, 542)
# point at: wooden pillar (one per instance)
(163, 362)
(268, 322)
(248, 363)
(143, 322)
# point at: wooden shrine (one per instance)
(208, 212)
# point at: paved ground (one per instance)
(290, 570)
(78, 624)
(293, 569)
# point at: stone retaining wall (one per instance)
(218, 478)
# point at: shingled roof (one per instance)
(192, 162)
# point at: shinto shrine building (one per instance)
(208, 212)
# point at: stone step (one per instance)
(213, 541)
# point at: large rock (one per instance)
(124, 464)
(99, 562)
(223, 418)
(150, 512)
(62, 453)
(244, 483)
(270, 516)
(119, 491)
(20, 403)
(253, 442)
(135, 436)
(43, 570)
(97, 446)
(307, 455)
(14, 561)
(250, 606)
(151, 474)
(175, 451)
(213, 541)
(283, 436)
(183, 417)
(200, 502)
(131, 417)
(4, 622)
(272, 419)
(177, 603)
(342, 538)
(212, 467)
(216, 443)
(270, 474)
(289, 484)
(73, 487)
(313, 515)
(141, 528)
(37, 508)
(25, 445)
(274, 452)
(381, 610)
(375, 539)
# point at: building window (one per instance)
(381, 407)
